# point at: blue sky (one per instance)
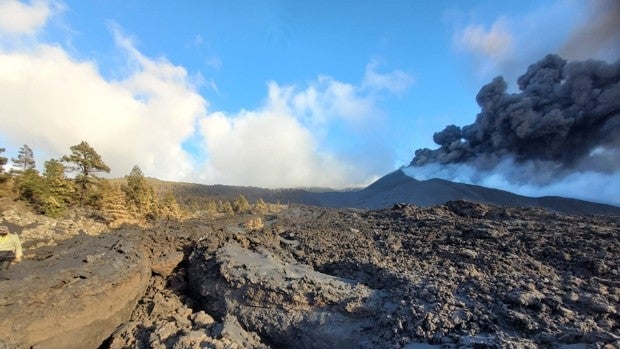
(266, 93)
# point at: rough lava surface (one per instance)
(461, 274)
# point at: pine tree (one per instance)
(241, 204)
(25, 159)
(114, 207)
(58, 190)
(260, 206)
(228, 209)
(211, 207)
(87, 163)
(225, 207)
(3, 176)
(3, 160)
(169, 207)
(30, 187)
(138, 193)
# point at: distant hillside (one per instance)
(398, 187)
(187, 193)
(395, 187)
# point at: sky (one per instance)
(270, 93)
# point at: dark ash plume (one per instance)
(567, 116)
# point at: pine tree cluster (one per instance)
(73, 181)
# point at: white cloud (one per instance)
(396, 81)
(495, 43)
(279, 145)
(214, 62)
(327, 99)
(198, 40)
(266, 148)
(51, 101)
(24, 18)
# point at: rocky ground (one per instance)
(456, 275)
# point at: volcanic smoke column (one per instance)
(565, 119)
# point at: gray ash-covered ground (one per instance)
(456, 275)
(469, 273)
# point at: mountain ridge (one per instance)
(395, 187)
(398, 187)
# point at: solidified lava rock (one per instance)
(76, 296)
(286, 302)
(461, 274)
(456, 275)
